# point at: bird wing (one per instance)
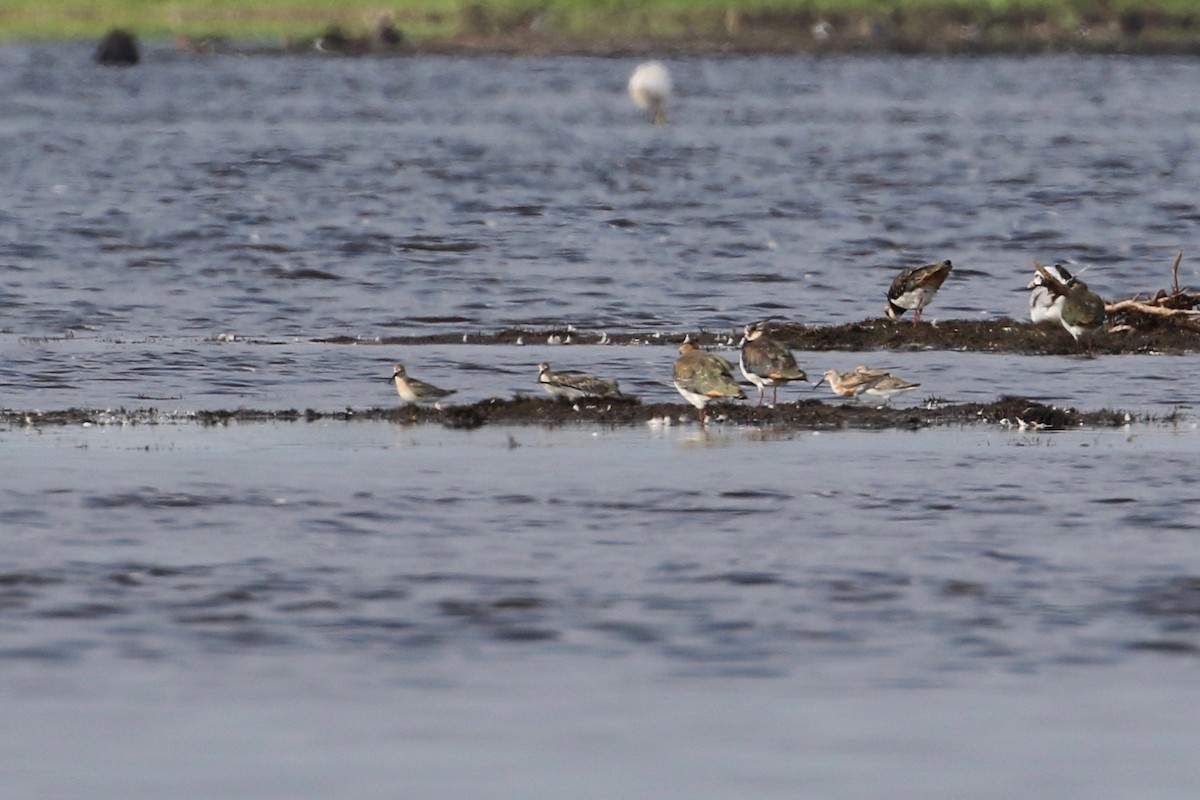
(1085, 309)
(423, 389)
(932, 276)
(1050, 280)
(582, 382)
(706, 373)
(929, 277)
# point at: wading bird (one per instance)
(574, 385)
(766, 361)
(650, 88)
(914, 288)
(414, 391)
(703, 377)
(1082, 310)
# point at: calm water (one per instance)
(365, 610)
(352, 607)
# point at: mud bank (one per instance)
(807, 415)
(949, 29)
(990, 336)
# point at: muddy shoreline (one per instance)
(950, 30)
(861, 41)
(806, 415)
(990, 336)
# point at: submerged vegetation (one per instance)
(629, 25)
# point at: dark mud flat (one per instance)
(805, 415)
(941, 29)
(984, 336)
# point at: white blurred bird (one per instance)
(650, 88)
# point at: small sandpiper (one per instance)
(650, 88)
(767, 362)
(868, 372)
(888, 386)
(574, 385)
(1083, 311)
(1046, 305)
(849, 384)
(702, 377)
(914, 288)
(417, 392)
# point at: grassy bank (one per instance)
(588, 25)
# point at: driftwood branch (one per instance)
(1150, 308)
(1179, 307)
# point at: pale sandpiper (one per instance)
(574, 385)
(417, 392)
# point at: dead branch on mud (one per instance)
(1177, 307)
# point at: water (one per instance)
(638, 613)
(311, 197)
(277, 610)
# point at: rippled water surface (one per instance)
(357, 609)
(640, 612)
(292, 196)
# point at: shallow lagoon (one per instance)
(355, 608)
(644, 612)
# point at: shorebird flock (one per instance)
(703, 377)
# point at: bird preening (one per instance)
(1082, 312)
(914, 288)
(1045, 304)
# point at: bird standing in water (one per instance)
(650, 88)
(766, 361)
(702, 377)
(914, 288)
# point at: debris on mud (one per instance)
(1015, 412)
(1004, 335)
(1173, 311)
